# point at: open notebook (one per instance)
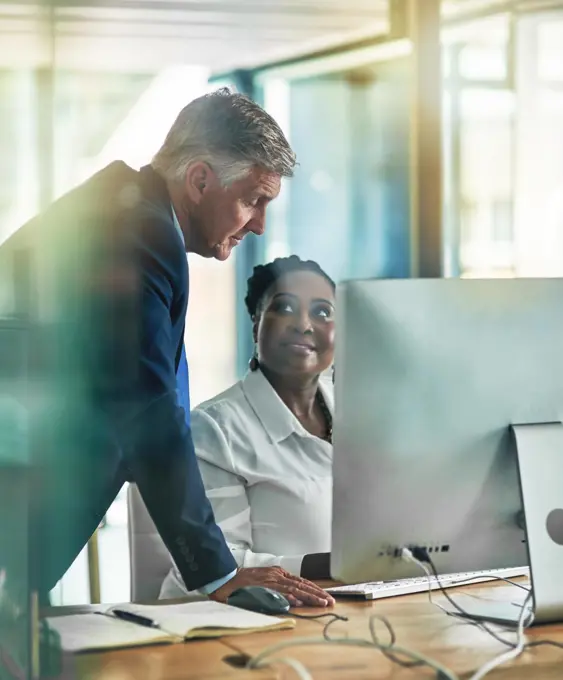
(176, 623)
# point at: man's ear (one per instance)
(199, 178)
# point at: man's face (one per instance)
(222, 216)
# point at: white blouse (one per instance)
(268, 479)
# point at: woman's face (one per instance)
(295, 326)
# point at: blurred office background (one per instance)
(428, 134)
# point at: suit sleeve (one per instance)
(156, 441)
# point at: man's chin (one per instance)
(222, 251)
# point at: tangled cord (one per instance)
(404, 656)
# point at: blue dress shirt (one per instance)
(183, 385)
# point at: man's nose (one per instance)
(257, 224)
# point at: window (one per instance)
(18, 153)
(539, 138)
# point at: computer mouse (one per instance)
(259, 599)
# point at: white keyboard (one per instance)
(381, 589)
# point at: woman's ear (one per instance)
(255, 328)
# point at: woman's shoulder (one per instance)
(225, 428)
(224, 402)
(229, 410)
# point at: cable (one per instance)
(512, 653)
(385, 649)
(297, 666)
(325, 630)
(420, 556)
(404, 656)
(334, 617)
(516, 648)
(491, 576)
(407, 555)
(444, 672)
(424, 557)
(546, 643)
(394, 652)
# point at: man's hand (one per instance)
(298, 591)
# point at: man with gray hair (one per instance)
(222, 161)
(109, 270)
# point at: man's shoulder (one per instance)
(114, 190)
(118, 213)
(119, 190)
(101, 190)
(119, 207)
(94, 200)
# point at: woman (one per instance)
(265, 445)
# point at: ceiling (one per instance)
(146, 35)
(125, 34)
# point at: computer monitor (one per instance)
(449, 401)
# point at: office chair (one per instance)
(149, 559)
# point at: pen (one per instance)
(134, 618)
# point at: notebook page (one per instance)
(82, 632)
(181, 619)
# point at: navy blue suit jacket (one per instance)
(103, 273)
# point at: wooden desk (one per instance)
(417, 624)
(194, 660)
(198, 660)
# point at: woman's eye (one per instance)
(284, 308)
(323, 312)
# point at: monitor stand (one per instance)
(539, 449)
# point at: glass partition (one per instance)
(348, 205)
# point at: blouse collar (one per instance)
(276, 418)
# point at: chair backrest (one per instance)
(149, 557)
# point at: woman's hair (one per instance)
(265, 275)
